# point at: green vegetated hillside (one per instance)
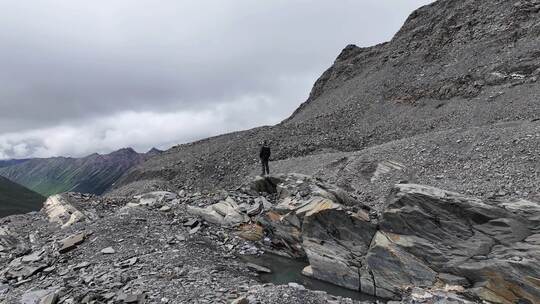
(92, 174)
(15, 198)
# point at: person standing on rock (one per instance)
(265, 157)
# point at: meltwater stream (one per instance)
(285, 270)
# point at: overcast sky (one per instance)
(79, 76)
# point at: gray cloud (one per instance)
(80, 70)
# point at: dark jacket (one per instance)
(265, 153)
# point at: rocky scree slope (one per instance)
(91, 174)
(147, 249)
(427, 246)
(454, 64)
(496, 161)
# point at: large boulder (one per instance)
(335, 242)
(391, 269)
(60, 210)
(315, 220)
(300, 200)
(225, 213)
(425, 232)
(154, 198)
(298, 185)
(425, 238)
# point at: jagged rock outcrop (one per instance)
(152, 251)
(225, 213)
(426, 237)
(302, 200)
(315, 220)
(427, 246)
(59, 210)
(426, 231)
(334, 242)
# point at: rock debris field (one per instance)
(165, 247)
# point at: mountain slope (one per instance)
(11, 162)
(454, 64)
(15, 199)
(91, 174)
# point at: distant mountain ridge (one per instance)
(11, 162)
(91, 174)
(15, 199)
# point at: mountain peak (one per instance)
(348, 52)
(125, 151)
(154, 151)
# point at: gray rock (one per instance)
(394, 269)
(108, 250)
(195, 229)
(264, 202)
(33, 257)
(426, 236)
(254, 209)
(224, 213)
(241, 300)
(451, 279)
(258, 268)
(81, 265)
(39, 296)
(426, 230)
(61, 211)
(296, 285)
(165, 209)
(127, 263)
(308, 271)
(132, 298)
(156, 197)
(23, 271)
(385, 167)
(436, 295)
(3, 288)
(71, 242)
(51, 298)
(191, 223)
(335, 243)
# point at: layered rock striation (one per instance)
(426, 237)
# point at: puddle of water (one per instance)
(285, 270)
